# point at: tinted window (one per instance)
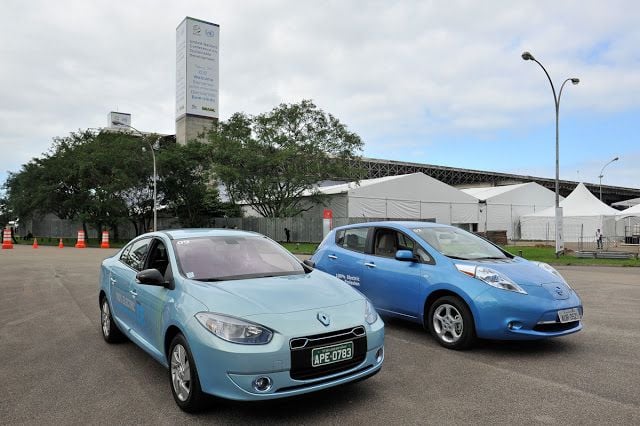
(135, 254)
(354, 239)
(459, 244)
(226, 258)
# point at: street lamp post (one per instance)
(155, 175)
(529, 57)
(601, 175)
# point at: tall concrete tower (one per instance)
(197, 83)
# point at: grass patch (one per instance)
(547, 254)
(300, 248)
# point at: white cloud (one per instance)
(409, 69)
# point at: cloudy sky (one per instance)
(437, 82)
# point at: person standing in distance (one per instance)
(599, 238)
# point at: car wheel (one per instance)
(183, 376)
(110, 330)
(451, 323)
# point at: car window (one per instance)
(385, 242)
(136, 254)
(354, 239)
(125, 254)
(234, 257)
(458, 243)
(158, 258)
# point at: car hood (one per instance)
(273, 295)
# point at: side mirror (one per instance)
(311, 264)
(405, 256)
(151, 277)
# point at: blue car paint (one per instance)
(288, 305)
(493, 309)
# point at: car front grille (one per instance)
(301, 348)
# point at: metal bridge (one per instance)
(375, 168)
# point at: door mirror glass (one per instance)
(150, 277)
(405, 256)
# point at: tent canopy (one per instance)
(414, 186)
(630, 212)
(581, 202)
(529, 193)
(627, 203)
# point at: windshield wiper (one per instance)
(490, 258)
(208, 280)
(457, 257)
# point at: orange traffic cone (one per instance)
(80, 243)
(105, 239)
(6, 239)
(60, 244)
(35, 243)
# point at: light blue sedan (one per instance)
(233, 314)
(458, 285)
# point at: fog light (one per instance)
(514, 325)
(262, 384)
(379, 355)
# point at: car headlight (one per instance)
(370, 314)
(490, 276)
(553, 270)
(234, 330)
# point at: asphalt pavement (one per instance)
(55, 368)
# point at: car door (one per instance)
(151, 299)
(394, 286)
(123, 275)
(346, 257)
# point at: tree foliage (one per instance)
(271, 160)
(104, 179)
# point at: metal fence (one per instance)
(306, 229)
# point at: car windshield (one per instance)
(233, 257)
(459, 244)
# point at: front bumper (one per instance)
(228, 370)
(504, 315)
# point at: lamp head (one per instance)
(527, 56)
(615, 159)
(575, 80)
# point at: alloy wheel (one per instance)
(180, 372)
(448, 323)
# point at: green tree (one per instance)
(186, 185)
(271, 160)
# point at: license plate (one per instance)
(569, 315)
(330, 354)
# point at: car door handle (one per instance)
(370, 264)
(133, 293)
(332, 256)
(113, 281)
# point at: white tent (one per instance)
(629, 224)
(411, 196)
(627, 203)
(582, 214)
(503, 205)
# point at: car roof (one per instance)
(406, 224)
(177, 234)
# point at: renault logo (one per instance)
(324, 319)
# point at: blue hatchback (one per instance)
(455, 283)
(233, 314)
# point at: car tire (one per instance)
(183, 376)
(110, 331)
(451, 323)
